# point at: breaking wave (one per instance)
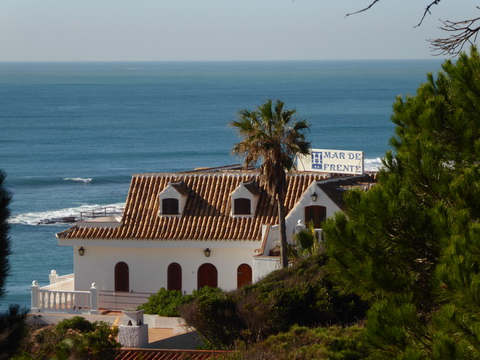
(61, 216)
(78, 179)
(372, 164)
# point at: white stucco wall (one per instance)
(264, 265)
(298, 212)
(148, 264)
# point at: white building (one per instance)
(211, 227)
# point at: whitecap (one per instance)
(60, 216)
(372, 164)
(78, 179)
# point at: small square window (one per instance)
(170, 206)
(241, 207)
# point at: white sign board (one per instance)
(332, 161)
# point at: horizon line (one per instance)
(213, 61)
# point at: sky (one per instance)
(218, 30)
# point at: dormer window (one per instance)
(245, 199)
(173, 199)
(242, 206)
(170, 206)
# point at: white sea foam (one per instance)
(79, 179)
(373, 164)
(42, 217)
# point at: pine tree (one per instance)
(411, 245)
(12, 322)
(5, 198)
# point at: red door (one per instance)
(174, 277)
(207, 276)
(121, 277)
(317, 214)
(244, 275)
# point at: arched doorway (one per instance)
(174, 278)
(207, 276)
(244, 275)
(317, 214)
(122, 277)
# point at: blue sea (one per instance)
(72, 134)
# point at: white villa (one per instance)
(210, 227)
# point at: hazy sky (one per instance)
(124, 30)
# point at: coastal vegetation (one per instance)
(304, 343)
(302, 295)
(5, 198)
(410, 246)
(168, 302)
(75, 338)
(273, 135)
(12, 322)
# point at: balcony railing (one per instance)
(61, 301)
(59, 297)
(119, 300)
(107, 211)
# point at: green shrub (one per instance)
(213, 314)
(165, 302)
(300, 295)
(302, 343)
(12, 329)
(77, 323)
(205, 293)
(74, 338)
(168, 302)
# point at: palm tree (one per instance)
(272, 134)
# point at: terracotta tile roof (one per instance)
(207, 211)
(151, 354)
(252, 186)
(181, 187)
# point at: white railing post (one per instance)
(34, 288)
(93, 299)
(53, 277)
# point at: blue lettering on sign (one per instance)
(317, 160)
(335, 155)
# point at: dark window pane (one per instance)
(241, 207)
(317, 214)
(121, 277)
(170, 206)
(174, 277)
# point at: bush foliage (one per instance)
(74, 338)
(12, 329)
(302, 343)
(168, 302)
(300, 295)
(165, 303)
(410, 246)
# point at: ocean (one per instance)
(72, 134)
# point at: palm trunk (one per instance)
(282, 232)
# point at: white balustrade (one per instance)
(71, 302)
